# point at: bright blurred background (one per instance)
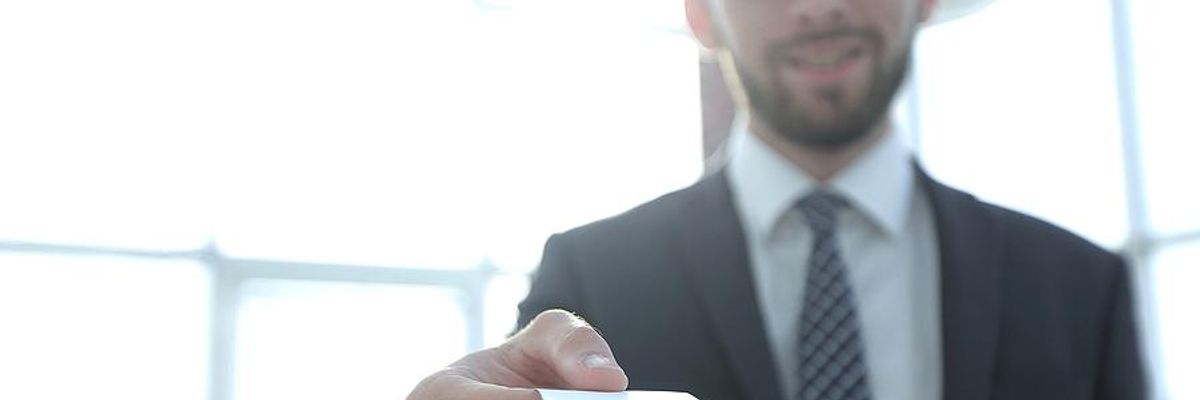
(316, 199)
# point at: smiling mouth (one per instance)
(823, 60)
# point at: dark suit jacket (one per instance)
(1029, 311)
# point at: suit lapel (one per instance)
(970, 271)
(718, 266)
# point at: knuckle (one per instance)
(579, 338)
(581, 332)
(555, 318)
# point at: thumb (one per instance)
(574, 350)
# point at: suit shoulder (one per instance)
(1029, 234)
(652, 218)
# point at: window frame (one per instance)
(229, 273)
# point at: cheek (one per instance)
(750, 55)
(895, 20)
(895, 40)
(754, 24)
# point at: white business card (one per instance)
(552, 394)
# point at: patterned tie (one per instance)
(831, 352)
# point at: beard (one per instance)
(771, 99)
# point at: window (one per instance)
(1077, 114)
(271, 199)
(1174, 271)
(322, 340)
(1165, 81)
(102, 327)
(1042, 112)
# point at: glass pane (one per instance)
(100, 142)
(428, 158)
(1167, 84)
(349, 141)
(1175, 272)
(501, 297)
(651, 14)
(103, 328)
(321, 131)
(315, 340)
(595, 122)
(1027, 117)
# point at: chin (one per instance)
(802, 130)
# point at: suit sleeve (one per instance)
(1121, 376)
(555, 283)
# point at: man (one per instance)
(822, 262)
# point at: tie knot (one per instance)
(820, 209)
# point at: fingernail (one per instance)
(599, 361)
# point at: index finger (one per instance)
(573, 348)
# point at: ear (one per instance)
(927, 8)
(699, 18)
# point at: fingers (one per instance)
(557, 350)
(456, 383)
(579, 356)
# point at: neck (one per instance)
(820, 163)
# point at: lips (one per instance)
(824, 60)
(824, 53)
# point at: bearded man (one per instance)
(821, 262)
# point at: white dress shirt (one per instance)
(888, 242)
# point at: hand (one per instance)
(557, 350)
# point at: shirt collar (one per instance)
(879, 183)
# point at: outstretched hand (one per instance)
(557, 350)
